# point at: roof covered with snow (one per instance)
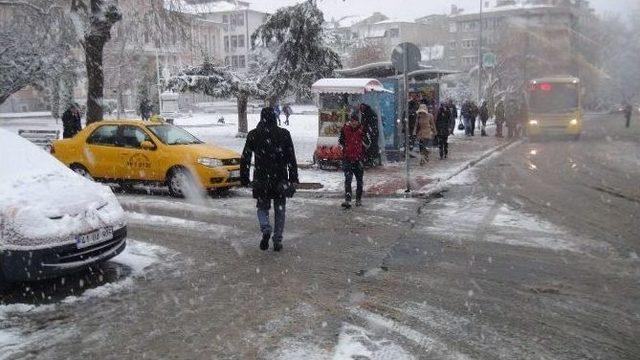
(206, 7)
(346, 86)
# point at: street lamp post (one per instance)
(480, 56)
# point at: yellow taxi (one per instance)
(136, 151)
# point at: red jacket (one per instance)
(352, 139)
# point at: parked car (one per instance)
(134, 151)
(52, 220)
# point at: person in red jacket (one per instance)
(354, 141)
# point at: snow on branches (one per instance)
(295, 36)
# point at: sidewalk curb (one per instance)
(440, 184)
(437, 186)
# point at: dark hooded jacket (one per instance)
(275, 160)
(71, 124)
(443, 120)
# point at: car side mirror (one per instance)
(147, 145)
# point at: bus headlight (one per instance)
(573, 122)
(533, 122)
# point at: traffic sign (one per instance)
(412, 60)
(489, 59)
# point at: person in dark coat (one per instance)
(500, 118)
(413, 106)
(369, 121)
(443, 128)
(453, 111)
(469, 114)
(275, 174)
(145, 109)
(286, 110)
(484, 117)
(354, 141)
(71, 121)
(628, 110)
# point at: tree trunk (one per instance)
(94, 46)
(243, 127)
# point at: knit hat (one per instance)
(423, 109)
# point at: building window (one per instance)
(226, 61)
(225, 19)
(233, 20)
(240, 41)
(240, 19)
(234, 61)
(226, 43)
(234, 42)
(241, 62)
(393, 33)
(453, 27)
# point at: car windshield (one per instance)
(173, 135)
(554, 98)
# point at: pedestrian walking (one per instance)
(484, 117)
(512, 113)
(413, 106)
(275, 174)
(354, 141)
(628, 110)
(287, 112)
(277, 111)
(369, 120)
(145, 109)
(424, 132)
(500, 118)
(453, 111)
(71, 121)
(443, 129)
(469, 114)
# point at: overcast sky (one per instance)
(411, 9)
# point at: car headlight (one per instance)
(209, 162)
(573, 122)
(533, 122)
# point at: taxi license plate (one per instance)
(85, 240)
(234, 174)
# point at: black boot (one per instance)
(264, 244)
(277, 246)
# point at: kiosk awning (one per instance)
(347, 86)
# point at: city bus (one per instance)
(554, 106)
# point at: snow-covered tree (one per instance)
(93, 20)
(31, 54)
(219, 81)
(301, 56)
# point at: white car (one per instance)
(52, 220)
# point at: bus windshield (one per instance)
(553, 98)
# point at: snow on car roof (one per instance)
(346, 86)
(19, 158)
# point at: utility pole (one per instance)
(480, 56)
(158, 84)
(405, 61)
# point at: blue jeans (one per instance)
(279, 210)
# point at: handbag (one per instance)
(286, 188)
(461, 126)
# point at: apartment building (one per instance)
(238, 22)
(552, 20)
